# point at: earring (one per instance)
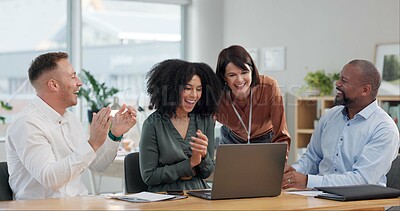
(226, 87)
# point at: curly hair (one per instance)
(239, 57)
(167, 79)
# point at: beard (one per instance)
(345, 101)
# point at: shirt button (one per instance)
(341, 139)
(337, 154)
(335, 169)
(348, 124)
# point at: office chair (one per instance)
(393, 176)
(5, 190)
(133, 179)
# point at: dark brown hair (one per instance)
(44, 63)
(239, 57)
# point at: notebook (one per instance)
(246, 170)
(357, 192)
(145, 196)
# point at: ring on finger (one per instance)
(289, 181)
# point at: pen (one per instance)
(133, 199)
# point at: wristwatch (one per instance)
(115, 138)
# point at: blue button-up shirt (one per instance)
(345, 151)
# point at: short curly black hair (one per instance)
(167, 79)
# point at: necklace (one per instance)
(250, 115)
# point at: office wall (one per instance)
(317, 34)
(204, 30)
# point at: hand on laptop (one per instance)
(293, 179)
(199, 148)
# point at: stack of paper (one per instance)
(142, 197)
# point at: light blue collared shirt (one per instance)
(345, 151)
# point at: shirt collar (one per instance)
(48, 111)
(366, 112)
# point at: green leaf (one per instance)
(96, 94)
(6, 106)
(321, 81)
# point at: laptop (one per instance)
(246, 170)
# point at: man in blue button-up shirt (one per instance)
(355, 142)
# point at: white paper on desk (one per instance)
(305, 192)
(143, 197)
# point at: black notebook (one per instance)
(357, 192)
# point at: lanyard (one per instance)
(240, 118)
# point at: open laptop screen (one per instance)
(248, 170)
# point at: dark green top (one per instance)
(165, 155)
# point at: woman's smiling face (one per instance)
(190, 95)
(238, 80)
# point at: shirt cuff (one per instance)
(314, 181)
(110, 143)
(204, 161)
(296, 167)
(87, 153)
(184, 169)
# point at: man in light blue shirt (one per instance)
(355, 142)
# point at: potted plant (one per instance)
(321, 81)
(96, 94)
(6, 107)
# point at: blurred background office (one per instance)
(119, 40)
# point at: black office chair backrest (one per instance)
(393, 176)
(5, 190)
(133, 179)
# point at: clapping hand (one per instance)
(123, 120)
(199, 148)
(99, 128)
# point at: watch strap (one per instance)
(113, 137)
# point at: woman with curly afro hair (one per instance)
(177, 140)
